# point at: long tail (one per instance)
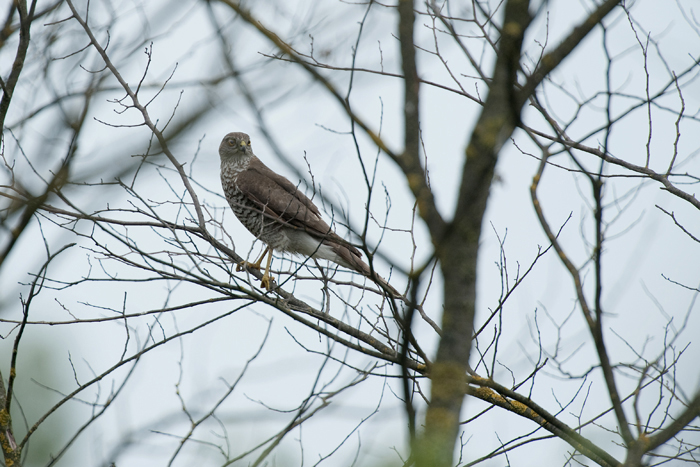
(352, 259)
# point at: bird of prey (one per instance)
(274, 210)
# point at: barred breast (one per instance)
(263, 227)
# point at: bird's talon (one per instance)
(243, 265)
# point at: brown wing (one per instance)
(281, 200)
(278, 198)
(257, 165)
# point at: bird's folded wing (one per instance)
(276, 201)
(258, 166)
(281, 200)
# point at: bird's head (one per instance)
(235, 146)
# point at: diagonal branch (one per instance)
(144, 112)
(494, 393)
(552, 60)
(680, 422)
(594, 324)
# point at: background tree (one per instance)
(553, 140)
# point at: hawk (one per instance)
(274, 210)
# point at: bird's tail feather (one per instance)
(353, 260)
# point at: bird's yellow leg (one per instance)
(256, 265)
(265, 282)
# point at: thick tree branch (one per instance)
(457, 249)
(494, 393)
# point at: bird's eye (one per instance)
(231, 142)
